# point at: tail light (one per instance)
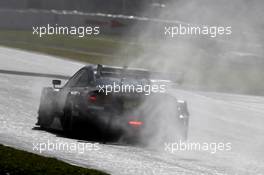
(135, 123)
(98, 98)
(92, 98)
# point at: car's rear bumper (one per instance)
(129, 124)
(110, 122)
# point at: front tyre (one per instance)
(67, 120)
(46, 110)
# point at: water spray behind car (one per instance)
(208, 61)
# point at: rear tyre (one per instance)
(184, 129)
(183, 110)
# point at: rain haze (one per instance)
(208, 55)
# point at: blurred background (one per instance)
(132, 33)
(127, 7)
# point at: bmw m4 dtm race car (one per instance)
(113, 102)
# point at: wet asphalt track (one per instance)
(215, 117)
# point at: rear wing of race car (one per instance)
(123, 72)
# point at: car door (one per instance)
(78, 82)
(67, 88)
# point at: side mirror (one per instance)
(56, 83)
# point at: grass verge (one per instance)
(17, 162)
(93, 49)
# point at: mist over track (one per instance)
(215, 117)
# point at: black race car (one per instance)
(113, 101)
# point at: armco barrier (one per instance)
(109, 24)
(26, 19)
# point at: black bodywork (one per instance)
(81, 104)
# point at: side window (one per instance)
(85, 79)
(75, 78)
